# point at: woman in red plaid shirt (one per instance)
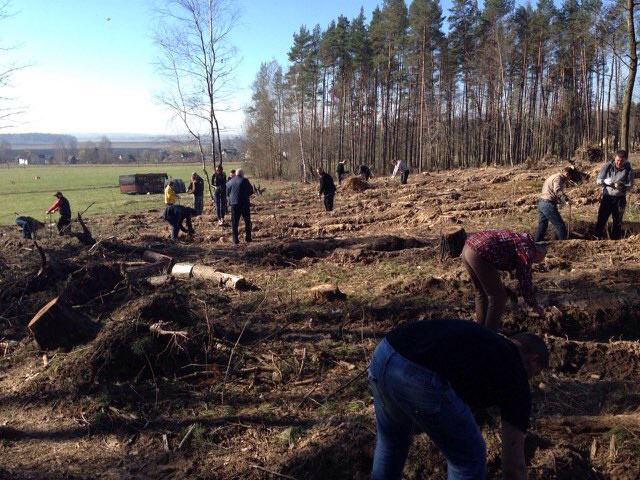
(488, 252)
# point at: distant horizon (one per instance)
(97, 136)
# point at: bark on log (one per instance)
(158, 264)
(57, 326)
(452, 243)
(226, 280)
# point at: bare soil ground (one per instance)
(271, 383)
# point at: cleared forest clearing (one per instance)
(189, 380)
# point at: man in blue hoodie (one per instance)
(616, 178)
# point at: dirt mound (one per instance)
(156, 335)
(356, 184)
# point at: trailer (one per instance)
(142, 183)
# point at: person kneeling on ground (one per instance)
(175, 215)
(63, 207)
(426, 375)
(487, 252)
(29, 226)
(327, 188)
(552, 196)
(616, 178)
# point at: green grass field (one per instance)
(29, 190)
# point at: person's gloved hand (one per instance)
(620, 185)
(608, 181)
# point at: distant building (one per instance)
(229, 152)
(31, 158)
(184, 155)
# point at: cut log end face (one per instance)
(57, 326)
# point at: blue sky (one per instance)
(91, 61)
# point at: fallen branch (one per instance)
(345, 385)
(281, 475)
(186, 436)
(43, 258)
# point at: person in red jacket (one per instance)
(64, 209)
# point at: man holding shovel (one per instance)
(63, 207)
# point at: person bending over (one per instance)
(488, 252)
(427, 376)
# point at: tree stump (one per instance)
(452, 242)
(57, 326)
(327, 292)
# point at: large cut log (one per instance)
(226, 280)
(452, 242)
(57, 326)
(158, 264)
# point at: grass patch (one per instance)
(29, 190)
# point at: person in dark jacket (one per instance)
(175, 215)
(363, 171)
(616, 178)
(219, 184)
(340, 171)
(427, 375)
(239, 190)
(29, 226)
(197, 188)
(326, 188)
(64, 209)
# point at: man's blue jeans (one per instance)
(548, 212)
(407, 398)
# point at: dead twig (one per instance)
(345, 385)
(233, 350)
(281, 475)
(186, 436)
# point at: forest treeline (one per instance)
(504, 85)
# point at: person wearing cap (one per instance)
(428, 375)
(552, 196)
(615, 177)
(29, 226)
(197, 188)
(176, 215)
(64, 209)
(488, 252)
(219, 184)
(239, 191)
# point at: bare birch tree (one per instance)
(9, 107)
(197, 61)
